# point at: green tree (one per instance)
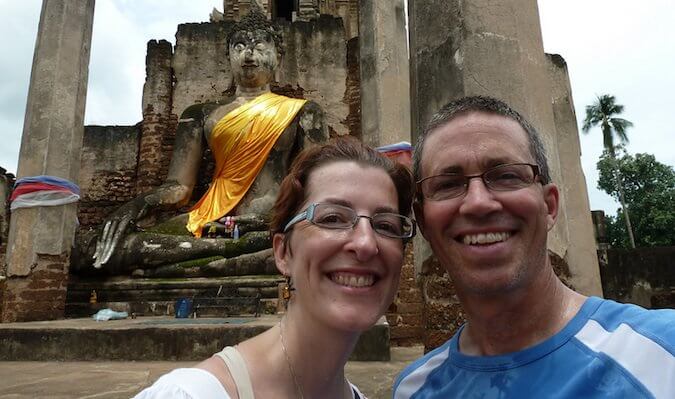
(604, 113)
(649, 191)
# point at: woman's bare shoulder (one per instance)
(217, 367)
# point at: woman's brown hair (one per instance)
(292, 192)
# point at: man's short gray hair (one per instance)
(481, 104)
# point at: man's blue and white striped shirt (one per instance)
(608, 350)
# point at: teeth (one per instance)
(353, 280)
(485, 238)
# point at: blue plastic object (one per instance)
(183, 308)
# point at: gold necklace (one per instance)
(298, 387)
(288, 361)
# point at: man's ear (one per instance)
(280, 253)
(418, 208)
(552, 199)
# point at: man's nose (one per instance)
(478, 200)
(363, 240)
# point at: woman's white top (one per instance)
(194, 383)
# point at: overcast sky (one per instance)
(620, 47)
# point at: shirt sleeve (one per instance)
(185, 383)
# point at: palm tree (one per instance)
(604, 113)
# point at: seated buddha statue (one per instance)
(253, 137)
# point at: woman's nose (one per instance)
(363, 240)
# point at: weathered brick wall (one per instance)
(348, 10)
(315, 59)
(405, 315)
(200, 65)
(107, 172)
(353, 89)
(159, 123)
(442, 312)
(644, 276)
(40, 297)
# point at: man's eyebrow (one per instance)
(492, 162)
(485, 164)
(451, 169)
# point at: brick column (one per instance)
(158, 128)
(40, 239)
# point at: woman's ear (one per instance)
(279, 244)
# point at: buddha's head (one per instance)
(254, 46)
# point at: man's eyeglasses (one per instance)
(507, 177)
(332, 216)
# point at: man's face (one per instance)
(253, 58)
(458, 229)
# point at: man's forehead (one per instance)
(486, 139)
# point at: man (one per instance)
(486, 203)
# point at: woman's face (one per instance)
(344, 278)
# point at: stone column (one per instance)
(40, 239)
(385, 85)
(481, 47)
(581, 257)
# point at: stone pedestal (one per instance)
(481, 47)
(40, 239)
(385, 85)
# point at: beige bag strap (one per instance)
(237, 366)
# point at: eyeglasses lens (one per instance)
(500, 178)
(333, 216)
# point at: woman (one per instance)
(338, 231)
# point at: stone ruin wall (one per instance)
(120, 162)
(643, 276)
(307, 10)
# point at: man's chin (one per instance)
(489, 283)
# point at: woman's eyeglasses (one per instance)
(339, 217)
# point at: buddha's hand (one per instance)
(251, 222)
(115, 227)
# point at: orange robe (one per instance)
(241, 142)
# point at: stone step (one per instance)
(151, 338)
(155, 297)
(167, 308)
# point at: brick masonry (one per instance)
(405, 315)
(40, 296)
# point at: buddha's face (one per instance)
(253, 58)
